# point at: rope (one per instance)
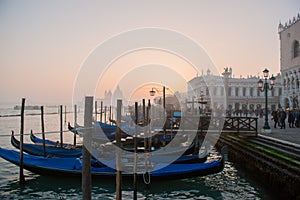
(149, 178)
(49, 132)
(147, 162)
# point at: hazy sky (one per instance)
(44, 43)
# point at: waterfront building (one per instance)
(242, 96)
(289, 35)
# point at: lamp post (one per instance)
(152, 93)
(264, 86)
(202, 102)
(247, 109)
(294, 100)
(154, 90)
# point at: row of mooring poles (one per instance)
(21, 173)
(118, 153)
(86, 156)
(105, 112)
(147, 142)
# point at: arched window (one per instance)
(222, 91)
(229, 91)
(244, 91)
(258, 92)
(280, 92)
(296, 49)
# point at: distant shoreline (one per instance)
(18, 115)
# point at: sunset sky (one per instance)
(45, 43)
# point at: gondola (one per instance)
(51, 151)
(64, 152)
(37, 140)
(72, 167)
(104, 132)
(57, 151)
(99, 131)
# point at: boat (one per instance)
(189, 158)
(100, 130)
(51, 151)
(107, 128)
(58, 151)
(73, 167)
(27, 107)
(103, 134)
(37, 140)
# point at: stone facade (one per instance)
(242, 93)
(289, 35)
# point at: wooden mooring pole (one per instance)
(149, 126)
(65, 114)
(144, 123)
(75, 123)
(21, 174)
(61, 125)
(43, 130)
(118, 152)
(101, 110)
(110, 114)
(105, 114)
(135, 152)
(96, 111)
(86, 156)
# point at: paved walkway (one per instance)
(288, 134)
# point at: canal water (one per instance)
(228, 184)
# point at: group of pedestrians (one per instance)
(281, 115)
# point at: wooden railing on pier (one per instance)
(224, 124)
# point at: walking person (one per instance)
(275, 118)
(296, 118)
(291, 119)
(282, 117)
